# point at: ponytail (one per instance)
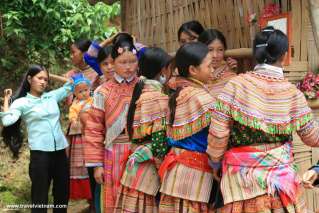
(172, 105)
(13, 137)
(131, 111)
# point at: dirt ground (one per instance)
(15, 183)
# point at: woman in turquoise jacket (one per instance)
(40, 112)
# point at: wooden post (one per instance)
(314, 14)
(239, 53)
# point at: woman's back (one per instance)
(265, 102)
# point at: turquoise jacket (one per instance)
(42, 118)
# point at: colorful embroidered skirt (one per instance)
(133, 201)
(139, 187)
(265, 204)
(169, 204)
(187, 180)
(79, 178)
(113, 164)
(145, 179)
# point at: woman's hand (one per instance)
(67, 152)
(232, 63)
(309, 178)
(99, 175)
(7, 94)
(216, 174)
(6, 99)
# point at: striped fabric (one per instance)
(79, 177)
(194, 106)
(217, 85)
(113, 164)
(77, 164)
(169, 204)
(177, 81)
(151, 111)
(140, 188)
(105, 120)
(265, 204)
(187, 183)
(272, 105)
(187, 189)
(133, 201)
(109, 101)
(265, 101)
(257, 172)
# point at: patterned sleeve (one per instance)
(219, 132)
(94, 132)
(309, 133)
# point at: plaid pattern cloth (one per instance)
(249, 172)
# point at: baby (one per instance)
(81, 102)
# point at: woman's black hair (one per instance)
(193, 26)
(124, 41)
(269, 45)
(190, 54)
(12, 135)
(83, 45)
(104, 53)
(151, 63)
(122, 36)
(210, 35)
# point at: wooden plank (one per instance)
(314, 13)
(214, 17)
(297, 66)
(123, 14)
(296, 29)
(171, 27)
(163, 23)
(284, 6)
(313, 56)
(305, 24)
(148, 22)
(139, 21)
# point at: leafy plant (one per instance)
(41, 31)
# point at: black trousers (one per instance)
(92, 182)
(46, 167)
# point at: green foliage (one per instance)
(41, 31)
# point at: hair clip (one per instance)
(142, 78)
(262, 45)
(268, 30)
(120, 50)
(134, 51)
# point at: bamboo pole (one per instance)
(58, 78)
(239, 53)
(235, 53)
